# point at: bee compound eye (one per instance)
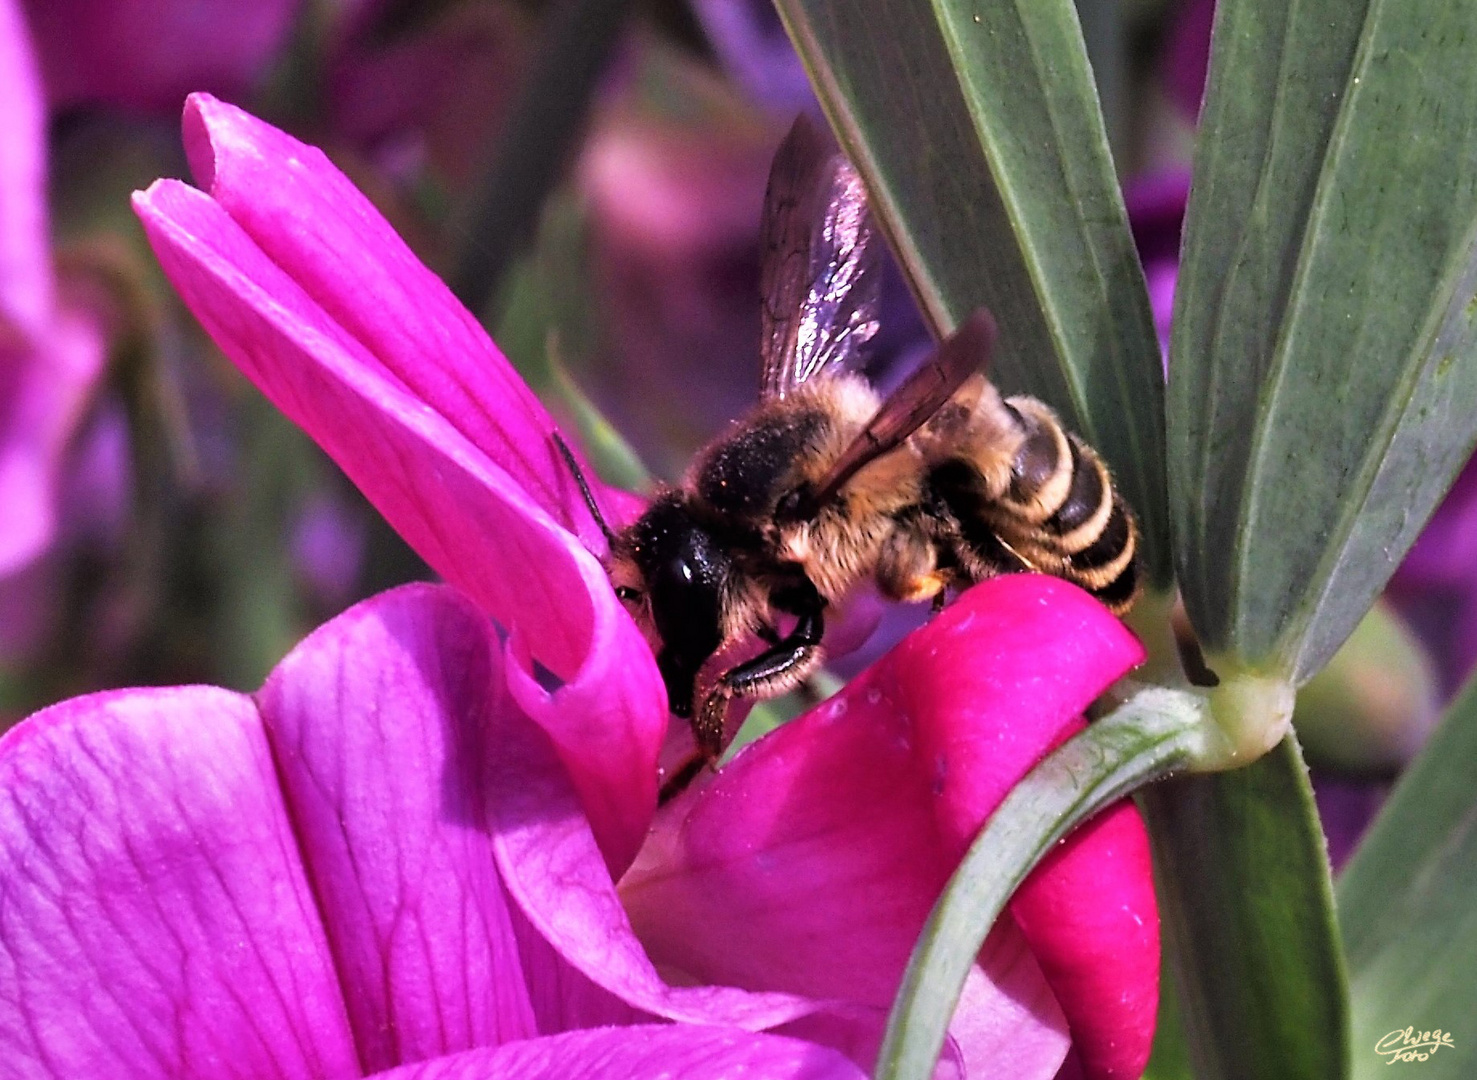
(678, 573)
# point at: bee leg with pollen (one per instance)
(908, 566)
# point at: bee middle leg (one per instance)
(908, 565)
(774, 671)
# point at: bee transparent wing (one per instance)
(920, 396)
(821, 276)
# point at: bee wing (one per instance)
(922, 394)
(821, 279)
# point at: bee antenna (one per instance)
(579, 478)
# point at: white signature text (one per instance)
(1408, 1044)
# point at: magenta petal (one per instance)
(379, 722)
(580, 953)
(470, 520)
(807, 865)
(310, 220)
(1092, 921)
(641, 1053)
(154, 916)
(810, 864)
(997, 680)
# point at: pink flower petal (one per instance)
(641, 1053)
(379, 723)
(1036, 652)
(459, 509)
(551, 867)
(154, 916)
(1091, 918)
(997, 680)
(414, 783)
(310, 220)
(747, 881)
(810, 864)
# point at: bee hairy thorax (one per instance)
(785, 448)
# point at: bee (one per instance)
(825, 484)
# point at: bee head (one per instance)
(673, 564)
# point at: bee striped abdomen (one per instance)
(1058, 513)
(1086, 533)
(1041, 474)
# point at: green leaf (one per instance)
(1322, 363)
(1408, 906)
(1153, 733)
(1247, 911)
(976, 126)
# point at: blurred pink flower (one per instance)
(1435, 588)
(1156, 211)
(807, 867)
(754, 49)
(674, 213)
(1186, 54)
(434, 97)
(327, 543)
(148, 54)
(51, 353)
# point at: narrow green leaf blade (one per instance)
(977, 127)
(1247, 910)
(1408, 907)
(1323, 360)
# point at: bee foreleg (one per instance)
(769, 674)
(785, 664)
